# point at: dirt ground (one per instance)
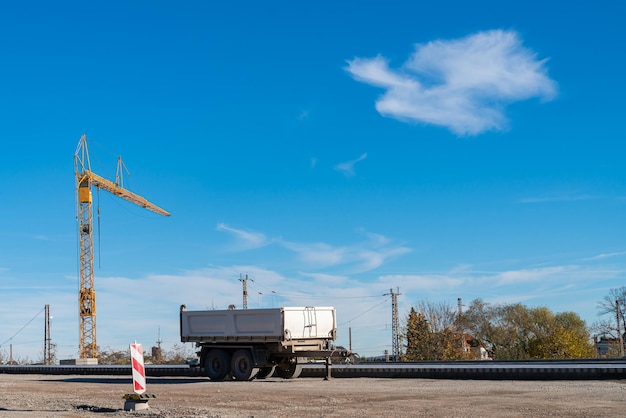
(99, 396)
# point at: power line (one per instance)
(21, 329)
(363, 313)
(304, 295)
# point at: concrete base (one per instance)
(133, 405)
(137, 402)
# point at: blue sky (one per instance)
(330, 150)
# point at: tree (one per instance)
(431, 334)
(613, 305)
(111, 356)
(559, 336)
(440, 316)
(417, 337)
(609, 304)
(516, 332)
(179, 354)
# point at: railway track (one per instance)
(491, 370)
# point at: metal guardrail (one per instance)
(491, 370)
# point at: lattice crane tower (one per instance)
(85, 178)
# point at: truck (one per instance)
(244, 344)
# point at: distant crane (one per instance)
(85, 178)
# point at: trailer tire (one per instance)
(242, 365)
(265, 372)
(217, 364)
(289, 370)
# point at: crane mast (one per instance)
(85, 178)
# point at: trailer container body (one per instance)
(279, 324)
(249, 343)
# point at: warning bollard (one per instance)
(139, 400)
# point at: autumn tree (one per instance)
(432, 333)
(417, 337)
(516, 332)
(559, 336)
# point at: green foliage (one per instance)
(516, 332)
(425, 342)
(417, 338)
(508, 332)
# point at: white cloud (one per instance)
(347, 168)
(558, 198)
(139, 308)
(376, 239)
(357, 258)
(530, 275)
(605, 255)
(332, 280)
(303, 115)
(461, 84)
(246, 239)
(422, 282)
(319, 254)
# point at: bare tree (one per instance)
(614, 303)
(440, 316)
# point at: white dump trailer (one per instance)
(258, 343)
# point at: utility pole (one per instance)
(395, 325)
(350, 338)
(460, 323)
(47, 341)
(244, 283)
(619, 329)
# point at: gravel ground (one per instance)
(98, 396)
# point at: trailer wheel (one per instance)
(265, 372)
(242, 365)
(217, 364)
(289, 370)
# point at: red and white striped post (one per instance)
(139, 372)
(138, 400)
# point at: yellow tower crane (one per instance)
(85, 178)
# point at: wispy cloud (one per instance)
(422, 282)
(462, 84)
(246, 240)
(604, 256)
(347, 167)
(529, 275)
(320, 254)
(303, 115)
(356, 258)
(558, 198)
